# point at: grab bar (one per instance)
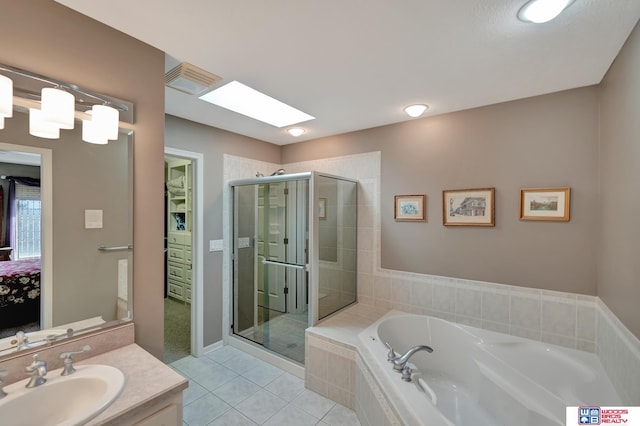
(286, 265)
(116, 248)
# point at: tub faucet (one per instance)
(400, 361)
(37, 369)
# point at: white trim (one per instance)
(46, 194)
(266, 356)
(217, 345)
(197, 289)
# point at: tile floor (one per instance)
(230, 387)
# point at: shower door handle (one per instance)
(286, 265)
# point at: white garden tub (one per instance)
(478, 377)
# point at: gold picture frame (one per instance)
(468, 207)
(545, 204)
(410, 208)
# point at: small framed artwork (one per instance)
(410, 208)
(322, 208)
(551, 204)
(468, 207)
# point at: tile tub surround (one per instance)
(372, 404)
(331, 350)
(619, 352)
(103, 341)
(563, 319)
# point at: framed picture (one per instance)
(468, 207)
(552, 204)
(410, 208)
(322, 208)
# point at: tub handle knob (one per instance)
(406, 373)
(392, 354)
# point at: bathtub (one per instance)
(478, 377)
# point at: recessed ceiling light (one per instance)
(244, 100)
(295, 131)
(415, 110)
(541, 11)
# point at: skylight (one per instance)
(244, 100)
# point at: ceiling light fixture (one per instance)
(6, 99)
(415, 110)
(244, 100)
(295, 131)
(541, 11)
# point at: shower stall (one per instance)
(294, 256)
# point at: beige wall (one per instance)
(47, 38)
(213, 143)
(619, 263)
(543, 141)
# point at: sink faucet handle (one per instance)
(68, 362)
(37, 369)
(3, 373)
(37, 365)
(392, 354)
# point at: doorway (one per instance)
(183, 255)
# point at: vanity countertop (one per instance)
(146, 377)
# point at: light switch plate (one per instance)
(92, 219)
(215, 245)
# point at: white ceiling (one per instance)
(355, 64)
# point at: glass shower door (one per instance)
(270, 258)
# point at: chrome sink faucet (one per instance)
(22, 340)
(37, 369)
(400, 361)
(68, 362)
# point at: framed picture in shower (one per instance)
(468, 207)
(322, 208)
(550, 204)
(410, 208)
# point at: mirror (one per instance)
(86, 199)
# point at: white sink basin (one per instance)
(62, 400)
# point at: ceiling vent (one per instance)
(190, 79)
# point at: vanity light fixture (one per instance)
(58, 107)
(295, 131)
(541, 11)
(6, 99)
(41, 128)
(91, 133)
(54, 108)
(415, 110)
(105, 119)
